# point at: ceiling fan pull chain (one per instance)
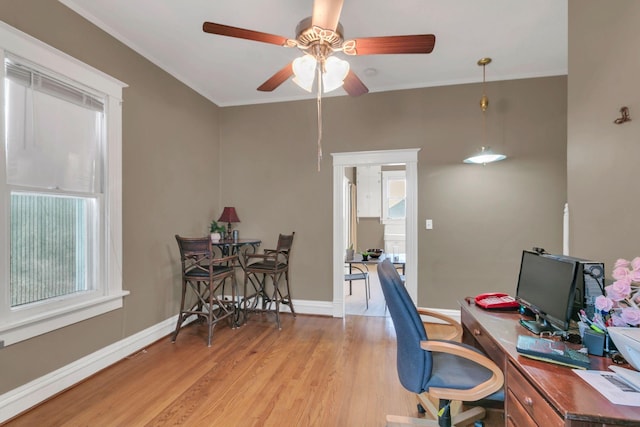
(319, 101)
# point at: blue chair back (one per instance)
(414, 364)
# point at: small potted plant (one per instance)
(365, 255)
(217, 231)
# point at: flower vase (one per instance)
(349, 255)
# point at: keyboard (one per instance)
(552, 351)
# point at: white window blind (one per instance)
(54, 132)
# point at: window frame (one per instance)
(386, 176)
(21, 323)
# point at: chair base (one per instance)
(463, 419)
(262, 304)
(260, 297)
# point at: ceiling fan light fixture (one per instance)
(304, 69)
(335, 71)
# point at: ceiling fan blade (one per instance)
(353, 85)
(421, 43)
(241, 33)
(277, 79)
(326, 13)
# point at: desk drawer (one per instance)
(523, 400)
(483, 340)
(517, 415)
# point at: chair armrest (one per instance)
(264, 257)
(456, 335)
(269, 254)
(478, 392)
(261, 256)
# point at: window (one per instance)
(394, 195)
(61, 247)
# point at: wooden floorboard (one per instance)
(316, 371)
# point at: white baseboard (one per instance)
(34, 392)
(454, 314)
(322, 308)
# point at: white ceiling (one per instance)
(525, 38)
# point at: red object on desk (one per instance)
(496, 301)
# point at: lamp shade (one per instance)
(336, 71)
(485, 156)
(229, 215)
(304, 69)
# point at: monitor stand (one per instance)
(537, 325)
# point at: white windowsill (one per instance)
(47, 322)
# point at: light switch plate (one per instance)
(429, 224)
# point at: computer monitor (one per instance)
(547, 286)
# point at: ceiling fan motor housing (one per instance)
(307, 35)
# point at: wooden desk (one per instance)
(540, 393)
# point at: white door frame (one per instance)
(408, 157)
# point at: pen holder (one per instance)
(597, 343)
(594, 341)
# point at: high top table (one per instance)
(399, 261)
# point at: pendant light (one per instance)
(485, 155)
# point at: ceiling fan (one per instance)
(319, 37)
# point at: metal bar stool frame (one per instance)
(273, 263)
(205, 276)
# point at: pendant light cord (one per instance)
(484, 105)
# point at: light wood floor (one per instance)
(355, 303)
(316, 371)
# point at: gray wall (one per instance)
(604, 65)
(483, 216)
(170, 185)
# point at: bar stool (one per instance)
(203, 277)
(273, 263)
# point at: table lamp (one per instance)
(229, 216)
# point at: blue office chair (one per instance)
(441, 369)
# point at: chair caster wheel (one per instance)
(421, 409)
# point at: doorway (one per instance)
(406, 157)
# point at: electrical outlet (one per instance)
(429, 224)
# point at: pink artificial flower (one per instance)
(619, 290)
(635, 263)
(635, 275)
(603, 303)
(617, 321)
(621, 263)
(630, 316)
(620, 273)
